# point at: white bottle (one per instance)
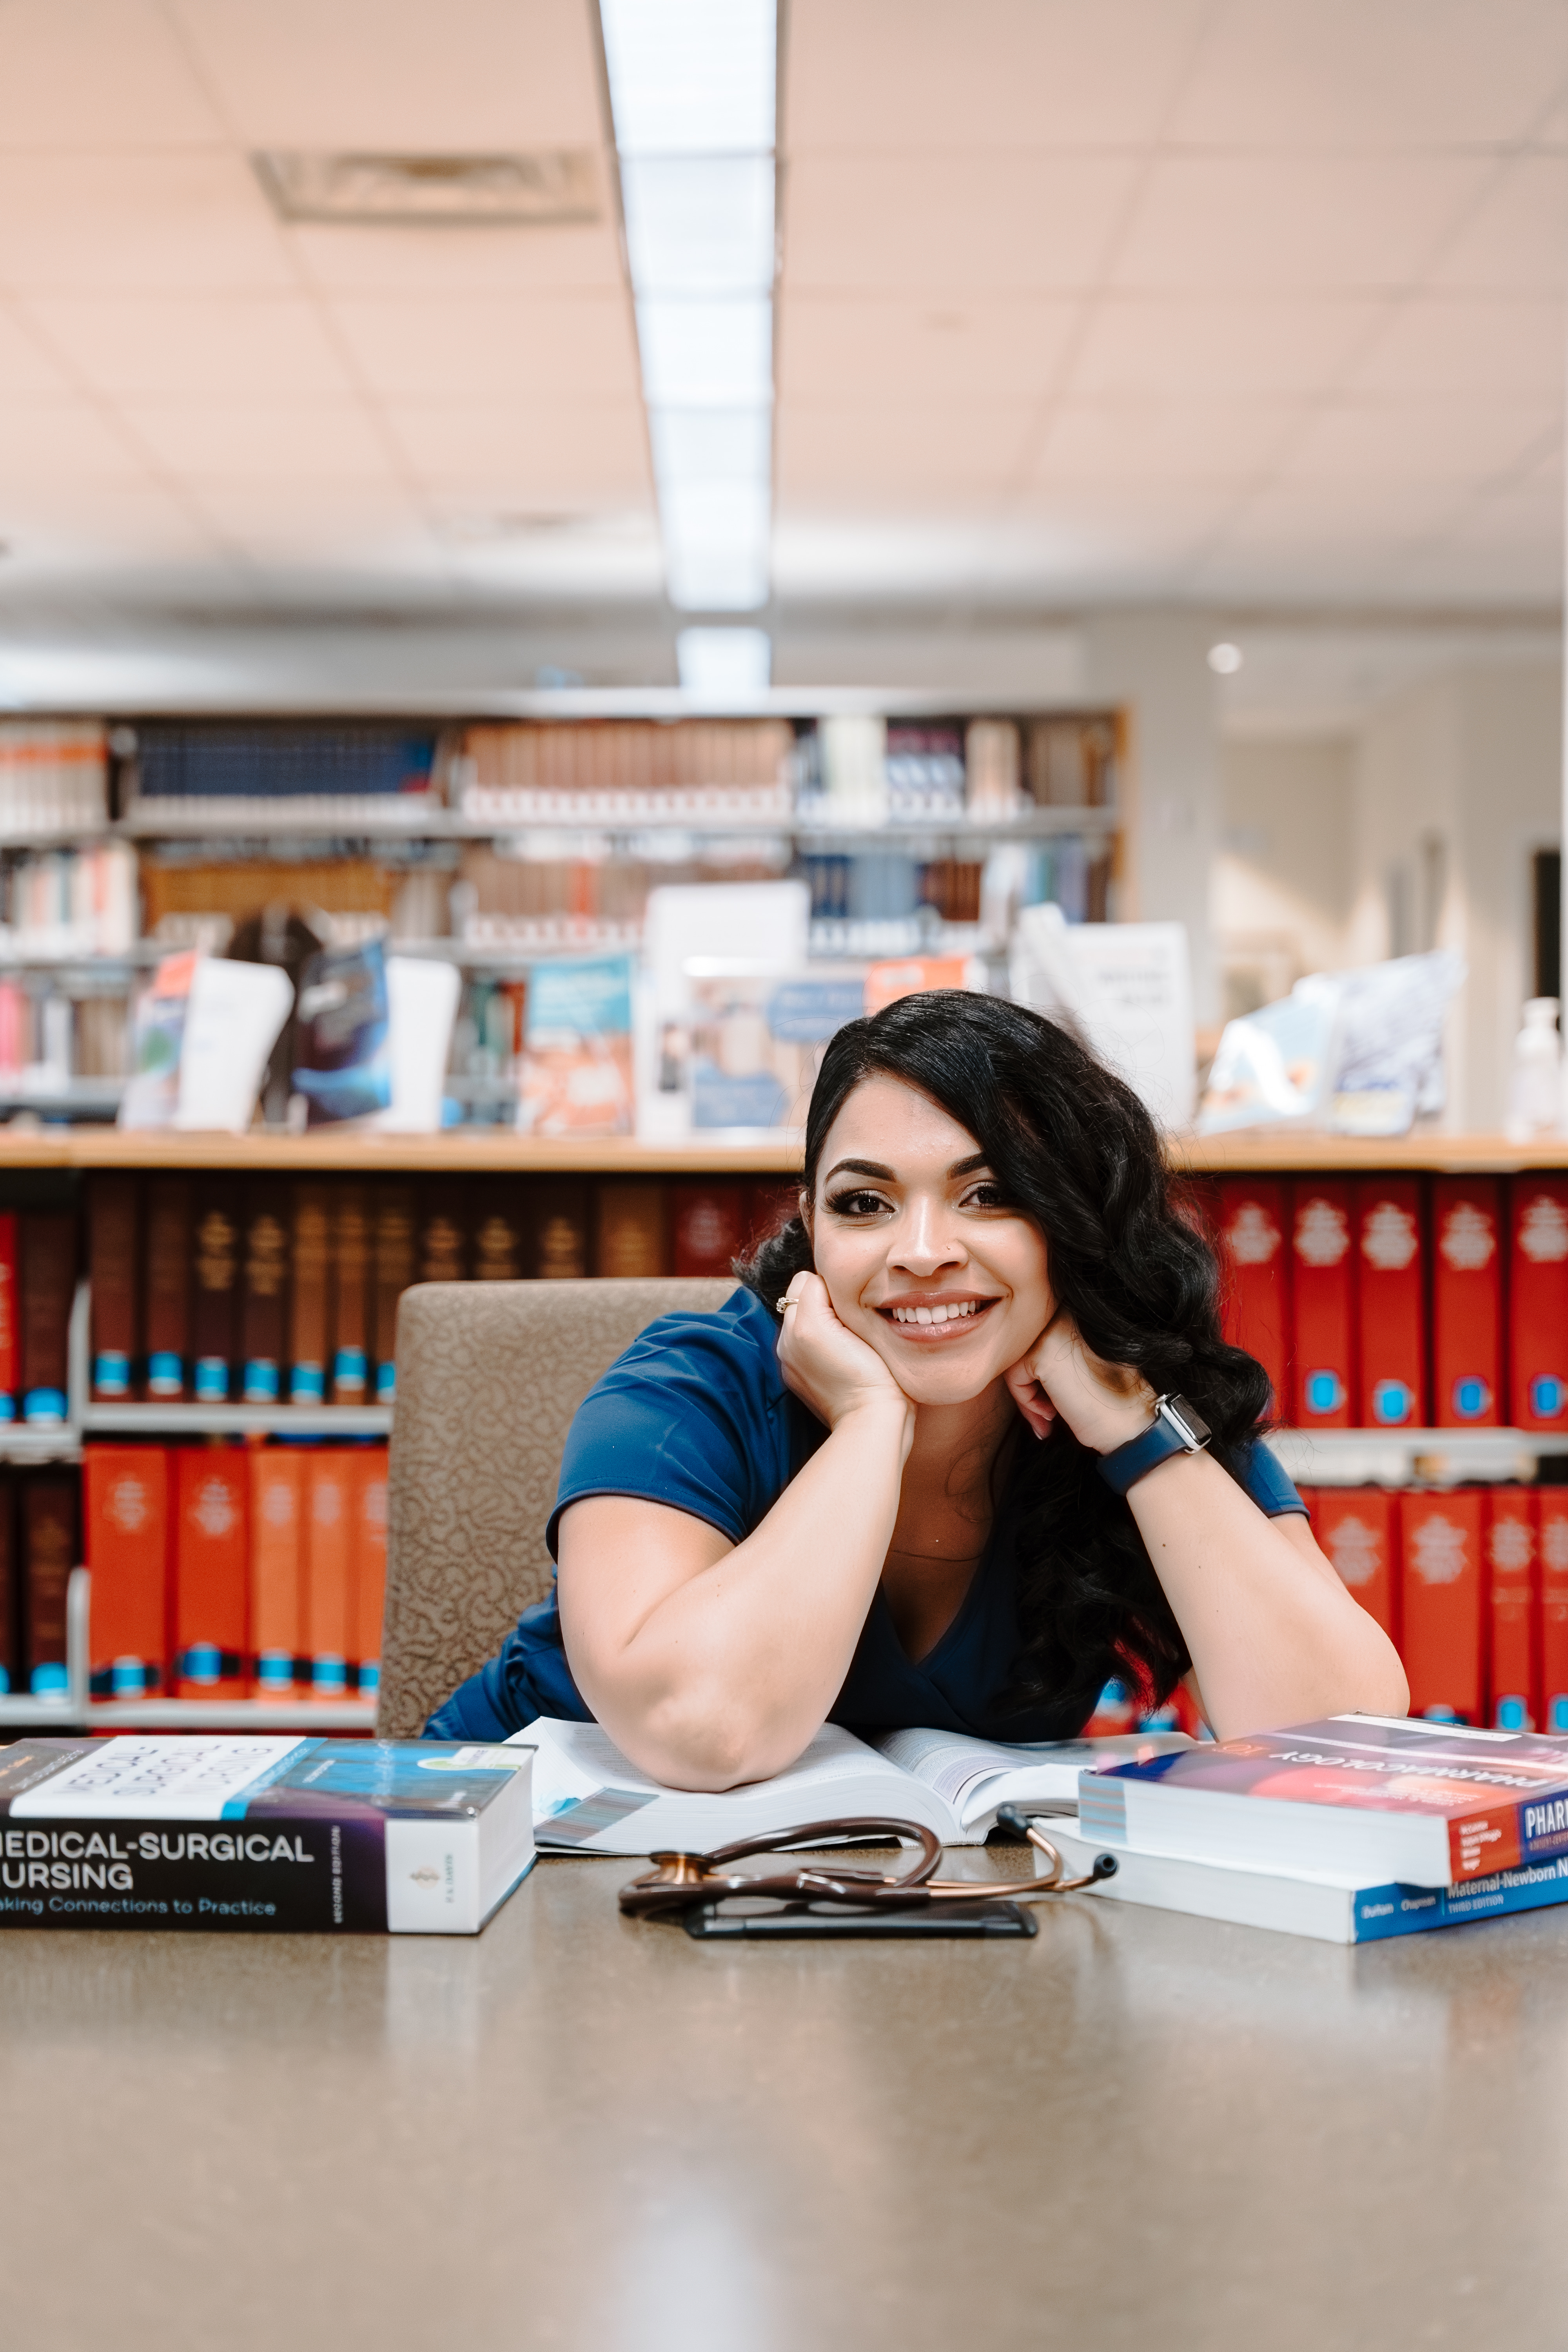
(1535, 1097)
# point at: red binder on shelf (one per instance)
(1253, 1262)
(1391, 1385)
(211, 1564)
(1551, 1531)
(125, 1500)
(1322, 1301)
(1467, 1303)
(329, 1571)
(368, 1489)
(1513, 1604)
(276, 1571)
(708, 1224)
(1538, 1302)
(1358, 1528)
(1440, 1547)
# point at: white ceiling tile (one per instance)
(520, 457)
(950, 226)
(548, 348)
(1290, 224)
(79, 522)
(498, 261)
(1516, 238)
(84, 74)
(919, 457)
(1375, 444)
(119, 222)
(249, 345)
(470, 74)
(995, 73)
(342, 520)
(296, 444)
(910, 353)
(890, 559)
(1382, 73)
(1442, 344)
(1154, 440)
(24, 366)
(617, 557)
(62, 440)
(1187, 346)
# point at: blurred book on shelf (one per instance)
(184, 769)
(53, 777)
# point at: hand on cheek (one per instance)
(1103, 1404)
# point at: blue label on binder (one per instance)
(385, 1383)
(1325, 1391)
(275, 1670)
(330, 1674)
(43, 1405)
(8, 1406)
(307, 1384)
(1391, 1401)
(212, 1380)
(202, 1663)
(165, 1374)
(1472, 1395)
(50, 1682)
(112, 1372)
(1511, 1715)
(262, 1380)
(349, 1369)
(128, 1678)
(1548, 1395)
(4, 1683)
(369, 1677)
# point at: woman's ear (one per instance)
(805, 1199)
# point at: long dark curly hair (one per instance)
(1072, 1147)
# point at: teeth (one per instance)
(952, 1312)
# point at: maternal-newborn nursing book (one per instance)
(590, 1799)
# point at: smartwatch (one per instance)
(1177, 1427)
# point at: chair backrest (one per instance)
(489, 1376)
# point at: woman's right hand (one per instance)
(829, 1367)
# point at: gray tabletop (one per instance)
(1137, 2130)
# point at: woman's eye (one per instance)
(988, 1195)
(857, 1205)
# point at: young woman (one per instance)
(920, 1469)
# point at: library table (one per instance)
(574, 2132)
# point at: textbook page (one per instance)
(973, 1776)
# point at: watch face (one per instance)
(1187, 1421)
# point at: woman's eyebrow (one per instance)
(977, 1160)
(859, 1168)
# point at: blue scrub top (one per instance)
(696, 1414)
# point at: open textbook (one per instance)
(589, 1799)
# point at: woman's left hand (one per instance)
(1103, 1404)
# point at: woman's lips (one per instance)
(934, 1322)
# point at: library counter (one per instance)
(578, 2133)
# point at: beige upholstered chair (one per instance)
(489, 1376)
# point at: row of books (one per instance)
(71, 902)
(54, 776)
(262, 1290)
(1394, 1302)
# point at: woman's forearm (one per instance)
(725, 1675)
(1274, 1635)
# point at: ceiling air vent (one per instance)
(545, 189)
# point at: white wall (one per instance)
(1281, 893)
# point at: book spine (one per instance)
(168, 1286)
(12, 1675)
(1391, 1389)
(498, 1232)
(1467, 1305)
(1552, 1504)
(47, 1255)
(10, 1320)
(216, 1293)
(319, 1871)
(1538, 1302)
(1322, 1283)
(276, 1614)
(1357, 1528)
(558, 1232)
(308, 1296)
(394, 1249)
(1513, 1601)
(368, 1494)
(708, 1226)
(113, 1240)
(1440, 1544)
(329, 1572)
(1384, 1911)
(210, 1562)
(350, 1296)
(264, 1303)
(442, 1253)
(49, 1555)
(125, 1506)
(629, 1230)
(1254, 1265)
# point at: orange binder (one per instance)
(329, 1569)
(1253, 1262)
(1440, 1541)
(277, 1525)
(1513, 1593)
(1391, 1281)
(1322, 1302)
(1357, 1528)
(368, 1488)
(1552, 1504)
(125, 1499)
(211, 1549)
(1538, 1301)
(1467, 1303)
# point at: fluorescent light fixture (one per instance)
(724, 665)
(1225, 659)
(691, 76)
(700, 225)
(706, 354)
(716, 545)
(712, 445)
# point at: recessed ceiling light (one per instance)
(549, 187)
(723, 665)
(1225, 659)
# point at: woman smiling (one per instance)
(966, 1444)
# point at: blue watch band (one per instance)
(1177, 1428)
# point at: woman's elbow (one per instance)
(696, 1738)
(1376, 1680)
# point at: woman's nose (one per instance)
(926, 1240)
